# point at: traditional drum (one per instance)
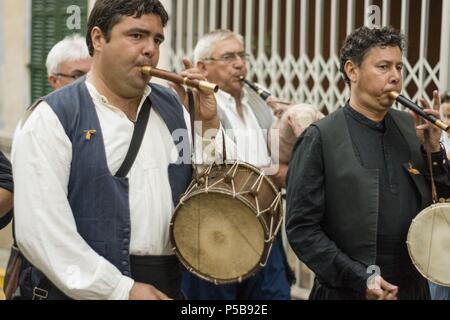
(291, 123)
(429, 243)
(225, 224)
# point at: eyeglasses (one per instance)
(231, 57)
(72, 76)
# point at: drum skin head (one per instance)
(429, 243)
(219, 237)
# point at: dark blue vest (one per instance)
(99, 200)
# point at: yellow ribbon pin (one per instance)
(89, 133)
(413, 170)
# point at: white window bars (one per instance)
(294, 44)
(294, 48)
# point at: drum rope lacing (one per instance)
(255, 188)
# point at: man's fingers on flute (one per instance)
(187, 63)
(181, 92)
(194, 75)
(425, 104)
(436, 100)
(417, 119)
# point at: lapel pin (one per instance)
(413, 170)
(89, 133)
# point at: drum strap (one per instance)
(430, 168)
(192, 116)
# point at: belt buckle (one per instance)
(39, 294)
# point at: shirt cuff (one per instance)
(122, 291)
(7, 183)
(355, 278)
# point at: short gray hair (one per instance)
(71, 48)
(206, 45)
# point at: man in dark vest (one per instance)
(358, 177)
(86, 231)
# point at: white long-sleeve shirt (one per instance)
(249, 137)
(45, 226)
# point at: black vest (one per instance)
(352, 191)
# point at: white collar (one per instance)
(101, 99)
(229, 100)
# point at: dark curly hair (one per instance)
(107, 13)
(360, 41)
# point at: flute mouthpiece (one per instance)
(394, 95)
(146, 70)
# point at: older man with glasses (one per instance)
(67, 61)
(246, 119)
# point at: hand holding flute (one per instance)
(173, 77)
(429, 133)
(203, 92)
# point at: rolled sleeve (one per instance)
(122, 290)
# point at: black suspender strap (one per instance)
(136, 140)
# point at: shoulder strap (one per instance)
(136, 140)
(192, 116)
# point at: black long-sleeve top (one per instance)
(398, 202)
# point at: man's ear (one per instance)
(98, 39)
(352, 70)
(201, 65)
(53, 81)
